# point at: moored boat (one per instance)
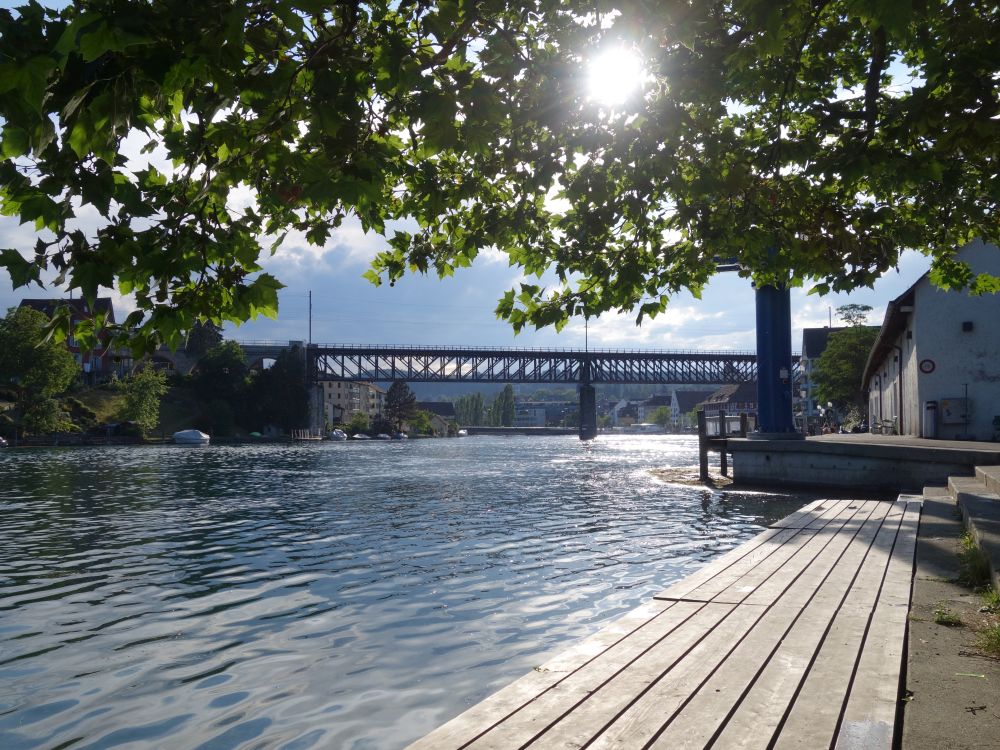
(337, 434)
(191, 437)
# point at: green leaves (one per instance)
(768, 125)
(21, 271)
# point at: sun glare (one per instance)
(614, 77)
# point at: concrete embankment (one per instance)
(868, 462)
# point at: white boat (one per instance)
(382, 436)
(337, 435)
(191, 437)
(463, 433)
(360, 436)
(400, 436)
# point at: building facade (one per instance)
(101, 362)
(342, 399)
(942, 347)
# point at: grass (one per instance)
(105, 402)
(989, 640)
(974, 569)
(991, 600)
(942, 616)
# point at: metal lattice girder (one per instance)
(464, 364)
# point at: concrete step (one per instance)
(980, 509)
(990, 476)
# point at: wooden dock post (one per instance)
(702, 446)
(723, 434)
(744, 423)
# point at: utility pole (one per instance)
(310, 316)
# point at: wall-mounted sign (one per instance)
(927, 366)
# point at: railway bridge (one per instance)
(583, 367)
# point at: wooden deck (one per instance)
(794, 639)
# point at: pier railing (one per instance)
(713, 433)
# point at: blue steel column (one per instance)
(588, 403)
(774, 361)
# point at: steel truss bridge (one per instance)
(443, 364)
(496, 365)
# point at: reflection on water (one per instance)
(323, 595)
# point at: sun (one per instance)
(614, 76)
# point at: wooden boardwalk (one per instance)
(792, 640)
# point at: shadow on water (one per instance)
(324, 595)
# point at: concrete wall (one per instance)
(861, 467)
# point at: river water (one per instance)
(334, 595)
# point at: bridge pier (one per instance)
(588, 412)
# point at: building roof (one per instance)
(629, 410)
(734, 393)
(444, 409)
(893, 324)
(814, 340)
(688, 400)
(80, 307)
(659, 399)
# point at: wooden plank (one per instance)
(595, 688)
(811, 720)
(679, 589)
(704, 588)
(870, 711)
(708, 583)
(812, 512)
(661, 679)
(789, 521)
(849, 521)
(647, 720)
(511, 698)
(774, 690)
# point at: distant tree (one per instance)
(143, 392)
(469, 410)
(571, 418)
(421, 423)
(359, 423)
(838, 371)
(400, 404)
(854, 315)
(217, 417)
(502, 411)
(663, 416)
(40, 414)
(222, 374)
(278, 395)
(202, 338)
(35, 368)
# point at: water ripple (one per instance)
(329, 595)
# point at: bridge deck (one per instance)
(794, 639)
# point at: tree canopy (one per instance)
(400, 404)
(278, 395)
(805, 142)
(143, 391)
(35, 367)
(840, 367)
